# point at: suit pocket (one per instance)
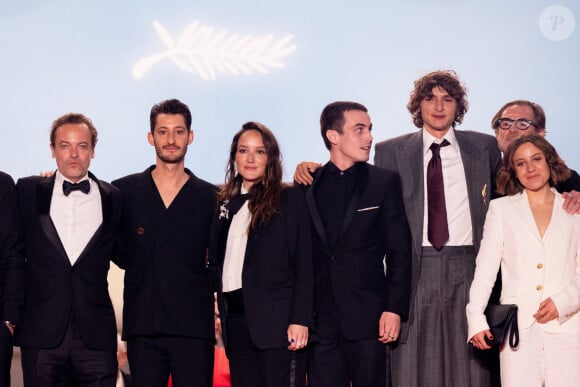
(370, 208)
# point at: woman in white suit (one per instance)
(537, 245)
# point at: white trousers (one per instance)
(542, 359)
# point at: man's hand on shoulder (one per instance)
(304, 171)
(571, 202)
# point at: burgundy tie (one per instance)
(437, 229)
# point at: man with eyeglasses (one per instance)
(520, 117)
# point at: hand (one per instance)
(46, 173)
(571, 202)
(297, 337)
(389, 327)
(546, 312)
(478, 340)
(10, 327)
(302, 174)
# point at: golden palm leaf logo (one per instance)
(203, 51)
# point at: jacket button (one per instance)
(540, 266)
(539, 287)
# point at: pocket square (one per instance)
(367, 209)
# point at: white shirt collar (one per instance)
(429, 139)
(59, 179)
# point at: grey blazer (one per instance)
(404, 155)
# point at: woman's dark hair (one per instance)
(506, 180)
(264, 195)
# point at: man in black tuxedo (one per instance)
(68, 330)
(358, 219)
(168, 313)
(11, 272)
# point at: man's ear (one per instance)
(332, 136)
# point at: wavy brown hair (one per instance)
(264, 195)
(506, 180)
(448, 81)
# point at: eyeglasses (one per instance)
(521, 123)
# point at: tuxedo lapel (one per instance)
(107, 211)
(43, 200)
(313, 208)
(410, 160)
(360, 185)
(476, 178)
(527, 217)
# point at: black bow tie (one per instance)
(236, 203)
(84, 186)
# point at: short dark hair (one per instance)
(445, 79)
(332, 117)
(170, 106)
(74, 118)
(539, 115)
(507, 182)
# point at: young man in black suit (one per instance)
(358, 219)
(68, 330)
(168, 315)
(11, 272)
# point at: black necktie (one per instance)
(84, 186)
(437, 228)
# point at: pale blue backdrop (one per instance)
(79, 55)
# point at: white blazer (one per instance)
(532, 268)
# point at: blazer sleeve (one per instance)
(571, 184)
(300, 252)
(567, 301)
(11, 252)
(397, 237)
(487, 265)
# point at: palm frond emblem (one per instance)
(201, 50)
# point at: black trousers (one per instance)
(254, 367)
(72, 363)
(335, 361)
(5, 355)
(152, 359)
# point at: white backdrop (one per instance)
(58, 56)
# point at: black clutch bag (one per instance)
(503, 321)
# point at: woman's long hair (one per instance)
(264, 196)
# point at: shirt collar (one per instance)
(429, 139)
(334, 169)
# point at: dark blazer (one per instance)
(571, 184)
(163, 251)
(11, 253)
(481, 161)
(374, 226)
(57, 290)
(277, 274)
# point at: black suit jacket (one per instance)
(571, 184)
(57, 290)
(163, 251)
(374, 226)
(11, 253)
(277, 274)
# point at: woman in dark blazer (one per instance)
(260, 253)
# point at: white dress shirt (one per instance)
(455, 185)
(236, 248)
(76, 216)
